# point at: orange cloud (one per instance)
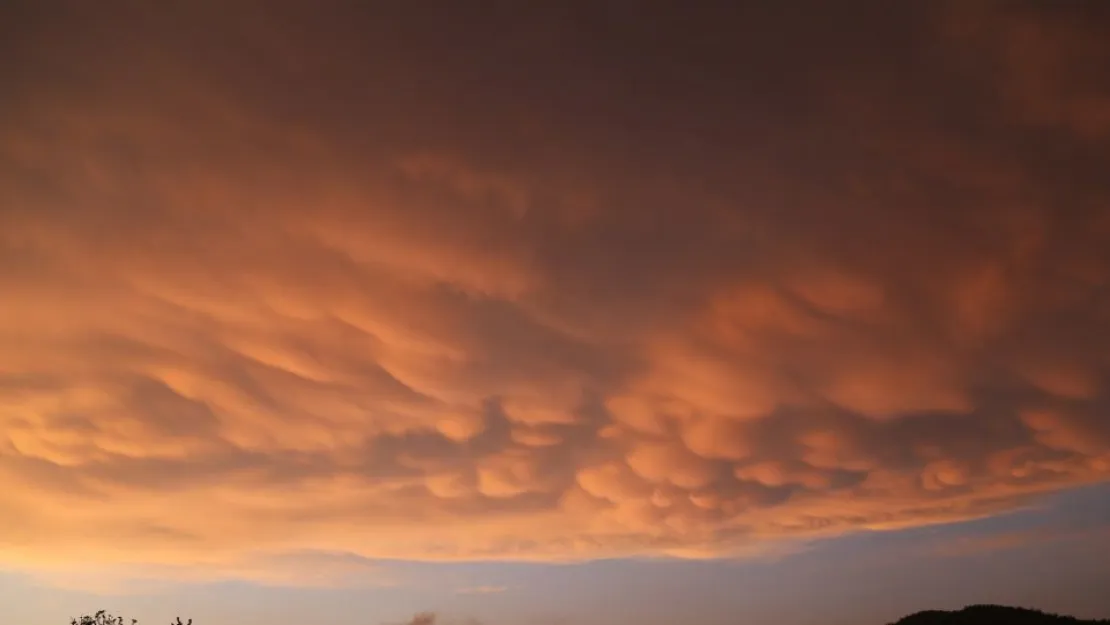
(236, 324)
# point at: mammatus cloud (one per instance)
(259, 300)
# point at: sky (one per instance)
(553, 313)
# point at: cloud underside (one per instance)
(312, 308)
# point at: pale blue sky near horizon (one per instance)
(1055, 562)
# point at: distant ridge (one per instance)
(993, 615)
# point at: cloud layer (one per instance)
(404, 288)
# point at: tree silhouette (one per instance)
(100, 618)
(993, 615)
(103, 618)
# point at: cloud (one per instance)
(481, 590)
(999, 542)
(1004, 541)
(423, 618)
(289, 305)
(303, 569)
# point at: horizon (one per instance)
(556, 313)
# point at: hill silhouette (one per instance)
(971, 615)
(993, 615)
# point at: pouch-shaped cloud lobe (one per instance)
(281, 285)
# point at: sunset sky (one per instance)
(625, 312)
